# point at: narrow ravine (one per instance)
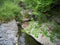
(25, 39)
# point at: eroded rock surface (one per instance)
(8, 32)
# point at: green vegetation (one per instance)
(42, 9)
(49, 29)
(9, 11)
(45, 12)
(39, 5)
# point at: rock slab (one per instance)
(8, 32)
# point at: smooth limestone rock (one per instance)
(8, 33)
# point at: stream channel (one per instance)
(25, 39)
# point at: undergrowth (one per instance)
(9, 11)
(49, 29)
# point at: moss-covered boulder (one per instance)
(46, 33)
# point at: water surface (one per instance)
(26, 39)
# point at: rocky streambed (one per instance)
(26, 39)
(9, 35)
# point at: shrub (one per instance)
(41, 5)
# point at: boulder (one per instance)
(42, 33)
(8, 33)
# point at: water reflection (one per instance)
(22, 39)
(25, 39)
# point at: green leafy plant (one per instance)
(40, 7)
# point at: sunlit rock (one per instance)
(8, 33)
(45, 33)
